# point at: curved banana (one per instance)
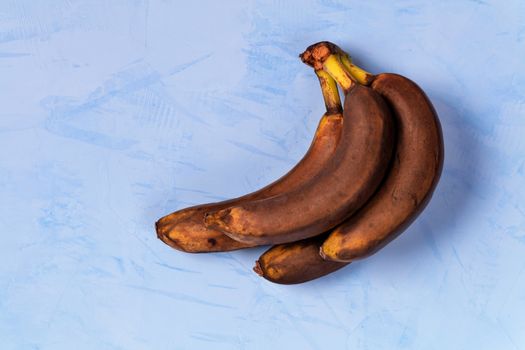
(185, 230)
(348, 180)
(411, 180)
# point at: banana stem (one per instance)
(333, 66)
(331, 97)
(329, 57)
(362, 76)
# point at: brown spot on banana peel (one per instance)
(185, 230)
(348, 180)
(409, 184)
(296, 262)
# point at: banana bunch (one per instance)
(370, 170)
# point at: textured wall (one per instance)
(114, 113)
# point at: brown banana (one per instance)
(411, 180)
(348, 180)
(295, 262)
(185, 230)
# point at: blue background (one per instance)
(114, 113)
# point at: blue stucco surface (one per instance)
(114, 113)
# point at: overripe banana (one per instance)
(295, 262)
(185, 230)
(348, 180)
(411, 180)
